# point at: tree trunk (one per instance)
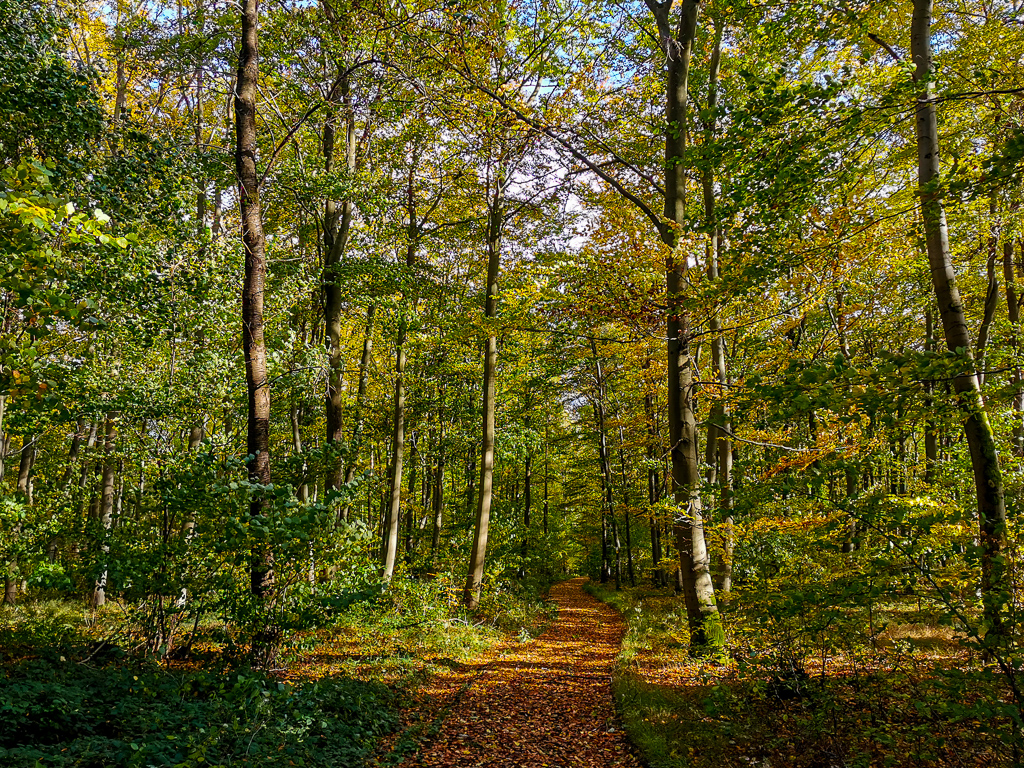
(977, 428)
(438, 498)
(527, 503)
(414, 463)
(337, 227)
(357, 426)
(398, 429)
(3, 438)
(1013, 314)
(106, 516)
(474, 578)
(625, 509)
(608, 501)
(24, 490)
(653, 491)
(261, 566)
(694, 561)
(393, 514)
(991, 294)
(295, 415)
(547, 472)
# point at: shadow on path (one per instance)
(544, 703)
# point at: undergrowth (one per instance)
(75, 690)
(906, 695)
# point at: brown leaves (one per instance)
(544, 703)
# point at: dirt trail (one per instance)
(545, 703)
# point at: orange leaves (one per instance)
(544, 703)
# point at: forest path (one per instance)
(543, 703)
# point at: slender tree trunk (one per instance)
(3, 438)
(527, 505)
(608, 502)
(24, 490)
(625, 508)
(931, 433)
(438, 498)
(99, 593)
(694, 561)
(295, 414)
(977, 428)
(474, 578)
(364, 377)
(991, 294)
(398, 430)
(1013, 314)
(653, 491)
(261, 566)
(547, 473)
(414, 463)
(337, 228)
(393, 515)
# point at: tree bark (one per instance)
(474, 578)
(337, 227)
(977, 427)
(398, 422)
(608, 500)
(694, 561)
(106, 516)
(438, 497)
(24, 490)
(625, 508)
(931, 435)
(1013, 314)
(261, 567)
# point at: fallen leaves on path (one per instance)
(544, 703)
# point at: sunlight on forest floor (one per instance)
(918, 697)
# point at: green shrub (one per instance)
(66, 714)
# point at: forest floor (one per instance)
(547, 702)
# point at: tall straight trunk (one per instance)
(653, 490)
(398, 420)
(988, 480)
(261, 564)
(3, 438)
(295, 416)
(992, 292)
(24, 490)
(931, 435)
(694, 560)
(719, 441)
(547, 472)
(414, 456)
(106, 516)
(364, 377)
(625, 509)
(606, 566)
(607, 483)
(437, 500)
(337, 228)
(475, 575)
(1013, 314)
(527, 508)
(394, 508)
